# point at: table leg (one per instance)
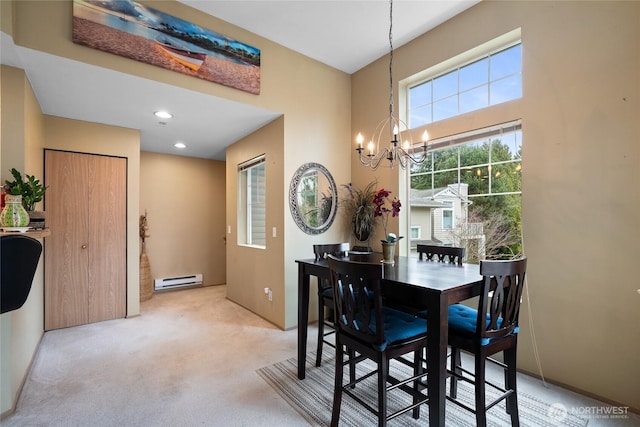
(303, 319)
(437, 337)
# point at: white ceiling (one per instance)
(346, 35)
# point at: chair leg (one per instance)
(455, 368)
(417, 370)
(481, 409)
(510, 384)
(320, 330)
(352, 367)
(383, 373)
(337, 388)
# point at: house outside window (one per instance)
(252, 203)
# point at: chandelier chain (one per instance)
(391, 101)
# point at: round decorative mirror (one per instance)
(313, 198)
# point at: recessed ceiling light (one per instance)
(179, 145)
(163, 114)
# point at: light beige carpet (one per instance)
(190, 359)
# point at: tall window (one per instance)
(252, 203)
(473, 183)
(489, 80)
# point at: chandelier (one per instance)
(401, 148)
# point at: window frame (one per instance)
(250, 198)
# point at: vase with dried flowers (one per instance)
(359, 208)
(385, 206)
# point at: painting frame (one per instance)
(140, 32)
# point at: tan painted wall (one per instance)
(95, 138)
(579, 111)
(314, 99)
(185, 202)
(21, 143)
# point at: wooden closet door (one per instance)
(85, 259)
(107, 238)
(66, 255)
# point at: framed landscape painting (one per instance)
(136, 31)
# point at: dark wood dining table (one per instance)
(419, 284)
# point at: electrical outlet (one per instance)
(266, 291)
(270, 295)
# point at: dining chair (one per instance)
(375, 332)
(325, 296)
(485, 331)
(452, 253)
(20, 256)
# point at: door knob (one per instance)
(84, 246)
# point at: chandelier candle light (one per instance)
(398, 130)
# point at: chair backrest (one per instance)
(357, 299)
(337, 249)
(19, 261)
(452, 253)
(499, 304)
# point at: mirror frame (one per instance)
(293, 198)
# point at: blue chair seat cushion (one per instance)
(399, 326)
(462, 320)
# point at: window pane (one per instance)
(474, 75)
(505, 90)
(420, 95)
(478, 179)
(512, 142)
(507, 62)
(474, 153)
(258, 206)
(474, 99)
(446, 85)
(506, 178)
(447, 219)
(446, 108)
(421, 182)
(420, 116)
(446, 159)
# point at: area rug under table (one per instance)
(313, 399)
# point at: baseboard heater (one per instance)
(178, 282)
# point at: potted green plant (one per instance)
(32, 192)
(359, 207)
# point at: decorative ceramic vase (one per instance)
(388, 252)
(146, 282)
(13, 214)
